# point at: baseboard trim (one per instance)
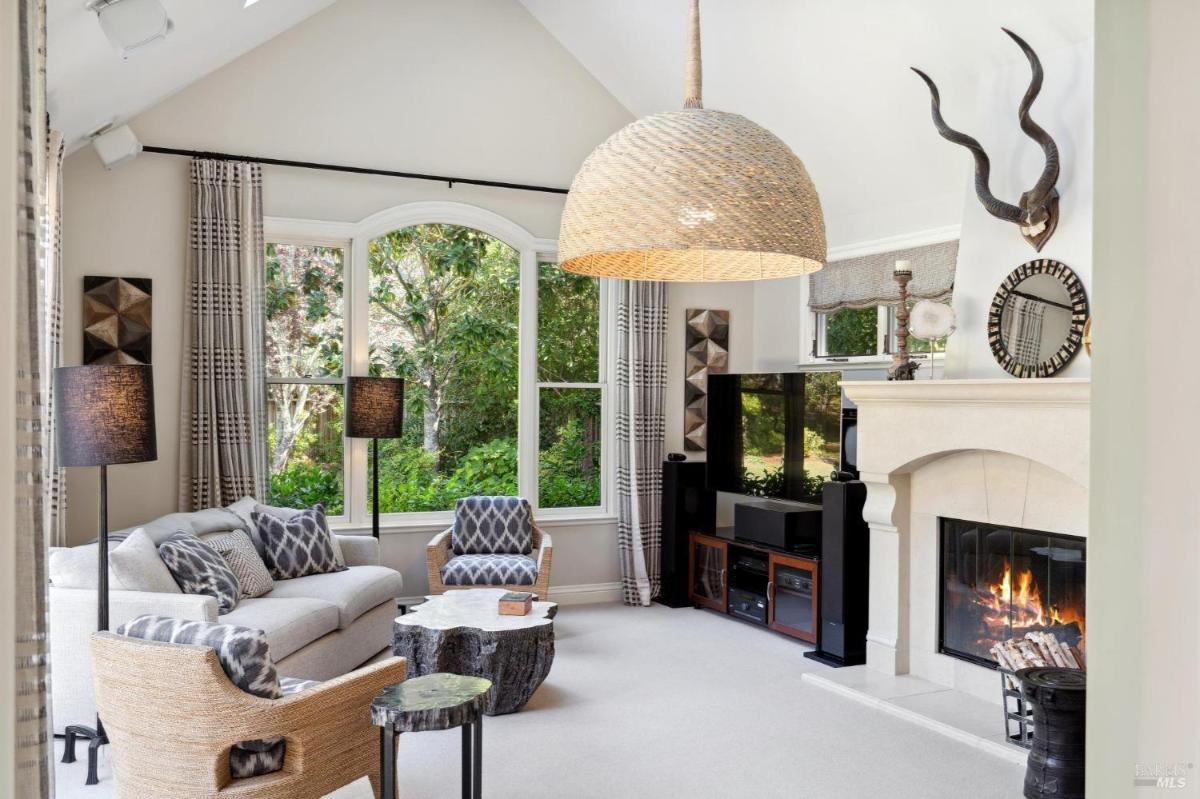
(995, 747)
(581, 594)
(585, 593)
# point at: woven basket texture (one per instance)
(172, 715)
(693, 195)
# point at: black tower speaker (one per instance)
(687, 506)
(845, 576)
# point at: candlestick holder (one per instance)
(902, 368)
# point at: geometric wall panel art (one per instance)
(707, 348)
(116, 320)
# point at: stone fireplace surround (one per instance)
(1007, 452)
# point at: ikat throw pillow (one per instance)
(297, 547)
(198, 569)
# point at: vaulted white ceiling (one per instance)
(90, 86)
(831, 78)
(828, 76)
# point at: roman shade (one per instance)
(866, 281)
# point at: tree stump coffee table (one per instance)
(462, 632)
(432, 702)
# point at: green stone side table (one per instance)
(433, 702)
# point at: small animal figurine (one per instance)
(904, 371)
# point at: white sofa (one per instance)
(318, 627)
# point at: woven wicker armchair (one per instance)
(438, 554)
(171, 716)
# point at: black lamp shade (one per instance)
(375, 407)
(105, 414)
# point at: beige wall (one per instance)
(475, 88)
(1144, 553)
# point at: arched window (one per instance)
(502, 354)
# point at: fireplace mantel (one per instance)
(902, 422)
(1006, 451)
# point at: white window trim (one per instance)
(320, 236)
(605, 375)
(354, 237)
(811, 332)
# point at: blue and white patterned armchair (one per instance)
(493, 543)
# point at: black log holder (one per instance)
(1058, 698)
(1018, 714)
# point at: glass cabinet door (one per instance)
(792, 597)
(707, 572)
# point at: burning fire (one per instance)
(1023, 607)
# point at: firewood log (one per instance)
(1031, 656)
(1069, 656)
(1049, 647)
(998, 653)
(1014, 655)
(1077, 653)
(1035, 639)
(1055, 648)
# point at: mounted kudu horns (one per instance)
(1037, 211)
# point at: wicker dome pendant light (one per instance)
(692, 195)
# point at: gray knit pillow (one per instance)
(198, 569)
(297, 547)
(243, 560)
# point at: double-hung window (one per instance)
(571, 389)
(305, 321)
(502, 354)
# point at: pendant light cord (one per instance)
(693, 88)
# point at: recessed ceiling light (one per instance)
(249, 3)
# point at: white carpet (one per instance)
(654, 702)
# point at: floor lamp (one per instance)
(104, 416)
(375, 410)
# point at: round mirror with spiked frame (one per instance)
(1036, 320)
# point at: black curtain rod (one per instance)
(357, 170)
(1042, 300)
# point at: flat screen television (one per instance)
(774, 435)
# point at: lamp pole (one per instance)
(105, 417)
(375, 487)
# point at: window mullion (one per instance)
(882, 330)
(527, 388)
(357, 362)
(607, 374)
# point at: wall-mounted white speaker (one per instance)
(116, 146)
(132, 24)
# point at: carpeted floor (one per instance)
(654, 702)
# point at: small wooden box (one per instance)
(516, 603)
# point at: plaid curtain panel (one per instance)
(223, 449)
(640, 431)
(1023, 336)
(29, 705)
(56, 497)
